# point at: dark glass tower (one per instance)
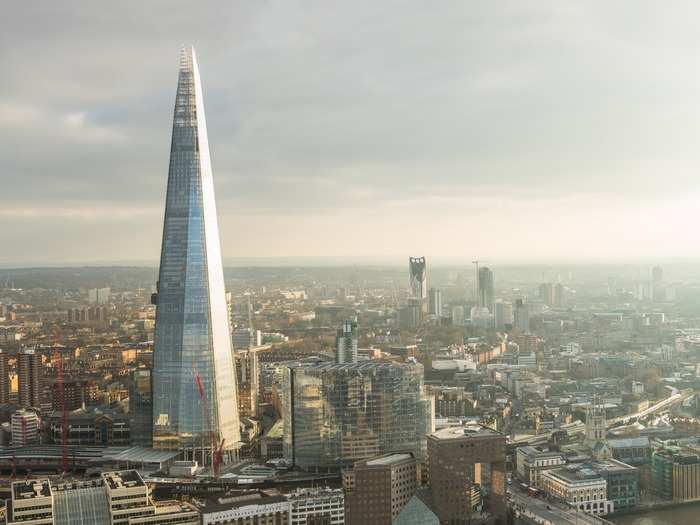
(194, 384)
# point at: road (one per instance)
(555, 513)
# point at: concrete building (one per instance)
(435, 302)
(320, 506)
(376, 490)
(486, 294)
(4, 379)
(248, 381)
(531, 462)
(259, 507)
(622, 483)
(579, 486)
(503, 316)
(29, 377)
(26, 428)
(31, 503)
(521, 316)
(461, 460)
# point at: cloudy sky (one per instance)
(524, 130)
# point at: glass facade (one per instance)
(335, 414)
(192, 338)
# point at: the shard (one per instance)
(194, 384)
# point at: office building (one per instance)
(546, 293)
(676, 474)
(259, 507)
(622, 483)
(336, 414)
(31, 502)
(377, 489)
(248, 381)
(503, 316)
(580, 487)
(346, 339)
(29, 377)
(458, 315)
(462, 460)
(521, 316)
(418, 280)
(486, 289)
(26, 428)
(532, 461)
(141, 408)
(411, 315)
(435, 302)
(4, 379)
(192, 352)
(99, 295)
(245, 338)
(316, 506)
(116, 498)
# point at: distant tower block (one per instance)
(418, 280)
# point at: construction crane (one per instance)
(58, 358)
(216, 447)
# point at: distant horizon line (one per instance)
(341, 261)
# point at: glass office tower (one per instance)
(194, 384)
(335, 414)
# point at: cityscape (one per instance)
(212, 386)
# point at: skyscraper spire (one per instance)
(192, 338)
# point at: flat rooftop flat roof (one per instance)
(389, 459)
(123, 479)
(465, 431)
(33, 488)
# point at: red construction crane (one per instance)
(61, 395)
(216, 447)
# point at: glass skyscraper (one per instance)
(194, 384)
(335, 414)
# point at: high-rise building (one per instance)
(458, 315)
(336, 414)
(248, 380)
(192, 349)
(418, 279)
(435, 302)
(521, 316)
(141, 408)
(546, 293)
(4, 379)
(377, 489)
(29, 377)
(486, 290)
(25, 426)
(99, 295)
(461, 461)
(503, 315)
(245, 338)
(346, 342)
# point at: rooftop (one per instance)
(123, 479)
(389, 459)
(33, 488)
(466, 431)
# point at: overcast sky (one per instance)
(524, 130)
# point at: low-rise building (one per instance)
(261, 507)
(579, 486)
(532, 461)
(317, 506)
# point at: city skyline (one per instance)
(492, 121)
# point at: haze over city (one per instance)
(515, 131)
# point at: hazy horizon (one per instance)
(552, 131)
